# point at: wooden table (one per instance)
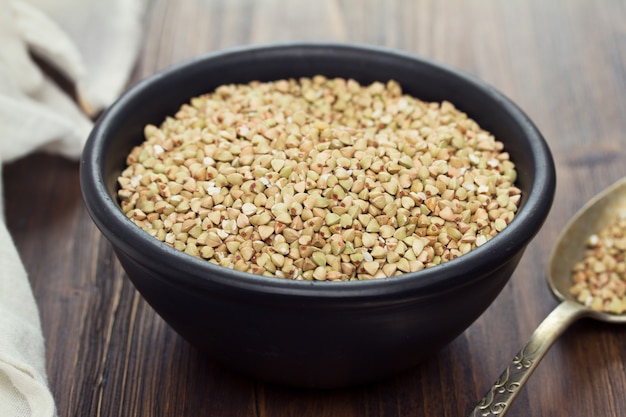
(563, 62)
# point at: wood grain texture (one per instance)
(562, 61)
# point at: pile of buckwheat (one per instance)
(600, 277)
(319, 179)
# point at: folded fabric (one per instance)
(23, 387)
(36, 114)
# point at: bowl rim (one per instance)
(188, 271)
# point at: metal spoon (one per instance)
(595, 215)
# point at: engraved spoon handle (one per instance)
(501, 395)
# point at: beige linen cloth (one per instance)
(94, 43)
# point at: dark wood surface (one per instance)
(562, 61)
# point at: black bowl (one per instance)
(314, 334)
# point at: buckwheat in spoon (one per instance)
(587, 273)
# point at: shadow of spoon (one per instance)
(597, 214)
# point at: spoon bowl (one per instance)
(598, 213)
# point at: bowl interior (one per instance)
(151, 100)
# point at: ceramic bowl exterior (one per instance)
(314, 334)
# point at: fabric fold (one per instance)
(23, 384)
(36, 114)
